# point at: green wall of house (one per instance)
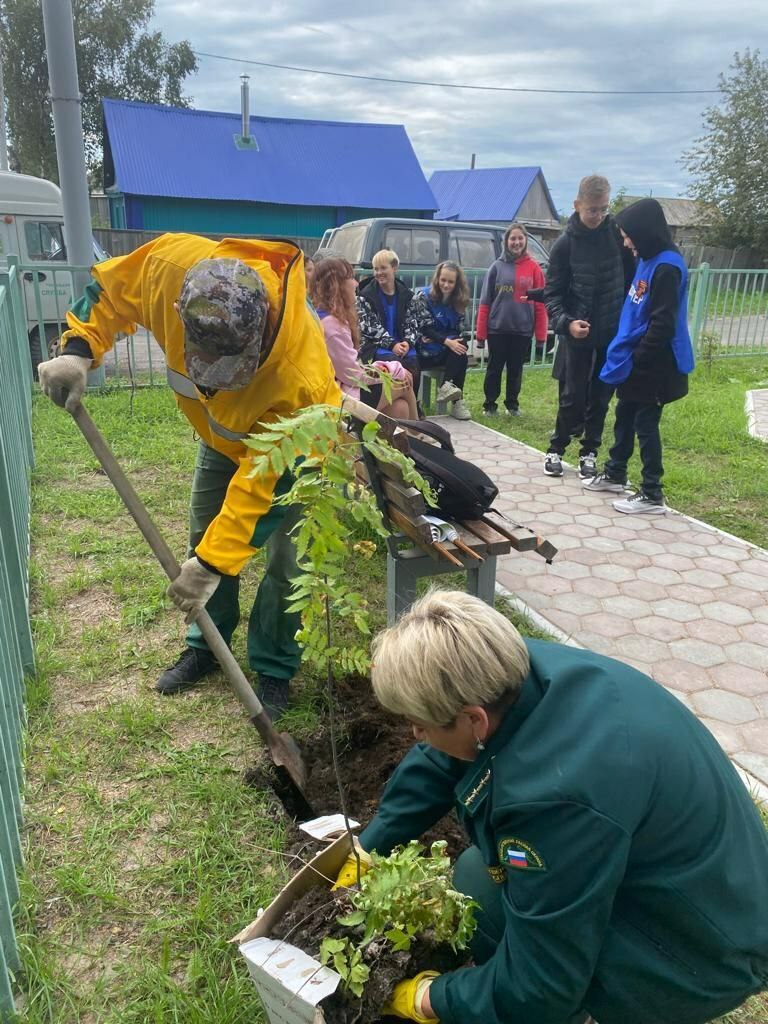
(152, 213)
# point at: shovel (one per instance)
(290, 770)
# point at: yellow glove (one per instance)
(347, 877)
(405, 1001)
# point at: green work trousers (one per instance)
(470, 876)
(272, 647)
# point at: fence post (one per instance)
(698, 313)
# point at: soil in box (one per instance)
(371, 743)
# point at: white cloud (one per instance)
(635, 141)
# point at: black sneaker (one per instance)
(553, 465)
(273, 694)
(603, 482)
(588, 465)
(193, 665)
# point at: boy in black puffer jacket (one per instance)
(587, 278)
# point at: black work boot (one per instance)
(193, 665)
(273, 694)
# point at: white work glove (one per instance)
(192, 588)
(64, 379)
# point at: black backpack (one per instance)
(463, 490)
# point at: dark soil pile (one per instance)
(313, 917)
(370, 745)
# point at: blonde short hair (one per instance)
(447, 651)
(593, 185)
(386, 256)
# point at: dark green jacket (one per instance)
(634, 863)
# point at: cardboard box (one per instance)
(290, 983)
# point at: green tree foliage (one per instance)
(118, 57)
(728, 163)
(619, 200)
(314, 447)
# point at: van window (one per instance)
(399, 241)
(44, 240)
(426, 246)
(348, 242)
(477, 249)
(414, 245)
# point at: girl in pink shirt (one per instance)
(333, 296)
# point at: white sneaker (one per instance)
(448, 392)
(553, 465)
(459, 410)
(638, 504)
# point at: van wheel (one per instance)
(35, 350)
(50, 348)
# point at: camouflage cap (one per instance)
(223, 306)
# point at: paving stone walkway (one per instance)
(683, 602)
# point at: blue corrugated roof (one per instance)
(485, 193)
(170, 151)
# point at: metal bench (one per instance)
(425, 390)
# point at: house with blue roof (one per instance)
(497, 195)
(178, 169)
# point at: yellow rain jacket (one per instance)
(142, 287)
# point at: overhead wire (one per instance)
(457, 85)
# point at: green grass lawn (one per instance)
(144, 850)
(714, 470)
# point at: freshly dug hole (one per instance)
(371, 743)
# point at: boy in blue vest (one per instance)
(649, 359)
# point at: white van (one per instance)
(31, 227)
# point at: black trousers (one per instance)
(505, 351)
(584, 398)
(641, 420)
(455, 365)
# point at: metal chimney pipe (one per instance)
(472, 162)
(244, 80)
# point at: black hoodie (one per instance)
(646, 225)
(655, 377)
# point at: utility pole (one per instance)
(59, 28)
(3, 142)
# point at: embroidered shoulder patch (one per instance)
(516, 853)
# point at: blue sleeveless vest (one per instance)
(446, 320)
(635, 316)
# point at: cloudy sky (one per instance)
(556, 44)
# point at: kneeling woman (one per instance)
(620, 864)
(333, 294)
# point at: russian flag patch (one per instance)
(516, 853)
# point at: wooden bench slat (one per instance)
(496, 543)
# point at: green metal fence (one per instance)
(16, 651)
(728, 312)
(728, 315)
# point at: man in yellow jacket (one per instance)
(242, 347)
